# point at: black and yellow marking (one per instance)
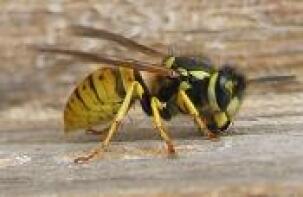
(94, 89)
(79, 97)
(95, 100)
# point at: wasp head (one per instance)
(225, 92)
(230, 86)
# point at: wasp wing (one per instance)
(106, 35)
(110, 60)
(97, 98)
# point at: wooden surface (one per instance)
(262, 155)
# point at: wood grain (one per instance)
(260, 36)
(262, 156)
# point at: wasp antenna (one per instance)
(277, 78)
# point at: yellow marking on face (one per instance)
(199, 74)
(229, 86)
(233, 106)
(212, 93)
(220, 119)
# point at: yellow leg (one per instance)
(156, 105)
(134, 89)
(195, 114)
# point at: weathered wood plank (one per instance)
(262, 156)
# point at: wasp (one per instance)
(190, 85)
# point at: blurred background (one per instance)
(262, 37)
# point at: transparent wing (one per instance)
(106, 35)
(110, 60)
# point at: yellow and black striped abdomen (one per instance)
(95, 100)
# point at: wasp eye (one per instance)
(224, 88)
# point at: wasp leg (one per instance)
(134, 89)
(156, 105)
(195, 114)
